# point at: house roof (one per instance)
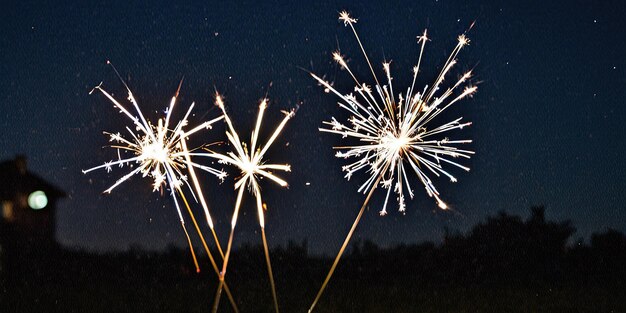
(15, 178)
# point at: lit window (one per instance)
(37, 200)
(7, 210)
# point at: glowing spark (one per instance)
(158, 151)
(250, 162)
(345, 18)
(395, 135)
(252, 166)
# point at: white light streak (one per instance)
(397, 135)
(157, 151)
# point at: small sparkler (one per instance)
(160, 153)
(249, 161)
(395, 135)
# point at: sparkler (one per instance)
(252, 167)
(395, 135)
(161, 154)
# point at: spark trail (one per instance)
(249, 161)
(160, 153)
(396, 135)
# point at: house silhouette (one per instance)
(27, 214)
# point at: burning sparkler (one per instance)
(160, 153)
(395, 135)
(252, 167)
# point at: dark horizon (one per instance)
(573, 241)
(506, 264)
(547, 118)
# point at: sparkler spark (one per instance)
(252, 167)
(158, 152)
(161, 153)
(395, 135)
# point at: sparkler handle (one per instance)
(269, 269)
(206, 248)
(345, 244)
(218, 296)
(229, 246)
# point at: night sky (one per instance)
(548, 116)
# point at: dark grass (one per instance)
(503, 265)
(343, 295)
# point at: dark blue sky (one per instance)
(548, 116)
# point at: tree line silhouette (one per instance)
(505, 249)
(504, 262)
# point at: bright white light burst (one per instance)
(158, 152)
(250, 161)
(395, 135)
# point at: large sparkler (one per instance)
(249, 161)
(395, 135)
(160, 153)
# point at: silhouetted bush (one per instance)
(505, 263)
